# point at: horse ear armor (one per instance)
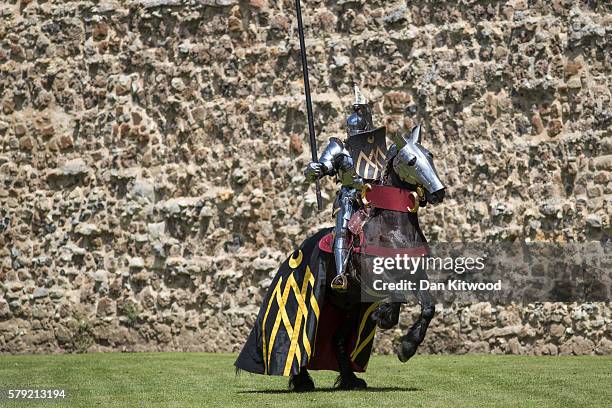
(414, 137)
(415, 134)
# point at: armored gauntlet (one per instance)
(313, 171)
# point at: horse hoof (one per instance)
(351, 382)
(359, 384)
(301, 382)
(406, 351)
(383, 317)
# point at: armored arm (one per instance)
(329, 162)
(332, 156)
(335, 160)
(347, 174)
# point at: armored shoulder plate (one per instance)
(331, 152)
(368, 150)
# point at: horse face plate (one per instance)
(414, 164)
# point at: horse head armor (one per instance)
(414, 164)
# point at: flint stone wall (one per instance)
(151, 155)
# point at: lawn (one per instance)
(208, 380)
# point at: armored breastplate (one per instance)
(368, 150)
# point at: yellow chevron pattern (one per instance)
(280, 295)
(375, 161)
(361, 345)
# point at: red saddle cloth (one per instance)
(327, 242)
(385, 197)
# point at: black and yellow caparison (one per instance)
(283, 336)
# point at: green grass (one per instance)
(208, 380)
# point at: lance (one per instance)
(311, 130)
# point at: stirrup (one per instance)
(339, 283)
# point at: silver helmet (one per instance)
(360, 120)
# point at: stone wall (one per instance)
(151, 155)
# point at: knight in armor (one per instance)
(355, 162)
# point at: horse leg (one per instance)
(301, 382)
(347, 380)
(386, 315)
(415, 336)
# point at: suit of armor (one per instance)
(353, 163)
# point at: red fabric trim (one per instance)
(327, 242)
(324, 357)
(356, 222)
(390, 252)
(390, 198)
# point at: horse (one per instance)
(409, 166)
(303, 324)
